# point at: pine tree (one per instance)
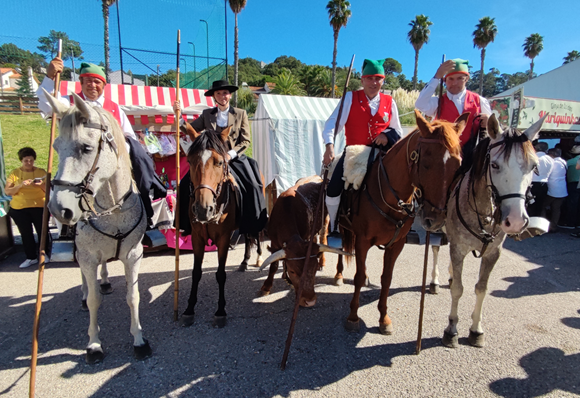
(24, 87)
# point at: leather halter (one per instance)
(216, 195)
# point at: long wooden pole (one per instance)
(440, 103)
(43, 239)
(309, 272)
(422, 305)
(177, 177)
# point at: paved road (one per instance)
(531, 319)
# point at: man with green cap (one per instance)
(368, 117)
(457, 100)
(93, 82)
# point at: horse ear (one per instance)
(57, 107)
(190, 131)
(423, 125)
(461, 122)
(226, 133)
(82, 106)
(493, 127)
(533, 131)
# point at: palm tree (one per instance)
(483, 34)
(533, 45)
(572, 56)
(287, 84)
(338, 13)
(418, 35)
(323, 87)
(106, 4)
(237, 6)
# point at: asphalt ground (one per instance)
(531, 320)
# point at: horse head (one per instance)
(91, 149)
(208, 168)
(435, 160)
(510, 161)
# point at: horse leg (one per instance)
(389, 259)
(105, 284)
(434, 285)
(450, 338)
(259, 249)
(85, 291)
(360, 277)
(267, 286)
(94, 348)
(322, 238)
(476, 336)
(338, 277)
(198, 251)
(132, 263)
(247, 253)
(219, 319)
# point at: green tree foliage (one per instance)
(246, 100)
(322, 85)
(308, 76)
(24, 87)
(237, 6)
(392, 67)
(572, 56)
(290, 63)
(288, 84)
(249, 72)
(484, 33)
(49, 46)
(12, 56)
(338, 13)
(418, 36)
(533, 45)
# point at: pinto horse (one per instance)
(416, 172)
(488, 204)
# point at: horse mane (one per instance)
(209, 139)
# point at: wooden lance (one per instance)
(177, 177)
(43, 238)
(309, 272)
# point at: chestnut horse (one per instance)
(415, 173)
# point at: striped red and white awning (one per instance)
(144, 104)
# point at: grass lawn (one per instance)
(25, 130)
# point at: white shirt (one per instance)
(222, 121)
(427, 103)
(46, 109)
(545, 163)
(328, 132)
(557, 179)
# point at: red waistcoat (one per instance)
(108, 105)
(361, 126)
(450, 113)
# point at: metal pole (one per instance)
(157, 75)
(207, 41)
(120, 46)
(185, 61)
(194, 68)
(226, 27)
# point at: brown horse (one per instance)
(416, 173)
(212, 211)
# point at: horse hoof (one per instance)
(142, 351)
(434, 288)
(338, 281)
(450, 282)
(352, 326)
(219, 321)
(450, 340)
(187, 320)
(106, 288)
(386, 329)
(243, 267)
(94, 356)
(368, 282)
(264, 293)
(476, 339)
(84, 305)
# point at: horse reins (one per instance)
(216, 194)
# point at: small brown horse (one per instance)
(212, 211)
(415, 173)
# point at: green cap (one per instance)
(461, 66)
(93, 70)
(373, 68)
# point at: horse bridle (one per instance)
(216, 194)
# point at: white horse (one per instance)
(94, 189)
(488, 204)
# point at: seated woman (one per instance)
(26, 185)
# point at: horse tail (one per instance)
(348, 244)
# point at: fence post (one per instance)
(21, 107)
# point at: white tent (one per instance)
(287, 137)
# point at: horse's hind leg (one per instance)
(85, 291)
(247, 253)
(339, 278)
(105, 284)
(259, 239)
(132, 264)
(94, 348)
(476, 336)
(267, 286)
(434, 285)
(450, 338)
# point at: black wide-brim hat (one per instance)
(220, 85)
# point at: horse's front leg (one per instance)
(476, 336)
(132, 263)
(361, 250)
(220, 315)
(247, 253)
(338, 277)
(105, 284)
(267, 286)
(85, 291)
(450, 338)
(434, 285)
(389, 259)
(198, 251)
(94, 348)
(259, 239)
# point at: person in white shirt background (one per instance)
(557, 190)
(540, 181)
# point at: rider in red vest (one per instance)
(457, 100)
(368, 117)
(93, 81)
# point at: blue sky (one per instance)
(300, 28)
